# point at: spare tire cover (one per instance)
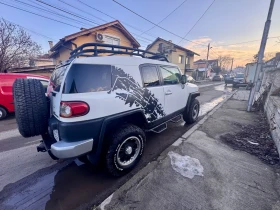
(31, 107)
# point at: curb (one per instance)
(142, 173)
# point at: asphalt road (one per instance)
(32, 180)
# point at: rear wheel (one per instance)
(31, 108)
(191, 115)
(3, 113)
(125, 150)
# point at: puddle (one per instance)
(40, 191)
(207, 107)
(186, 165)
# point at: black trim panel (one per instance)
(191, 97)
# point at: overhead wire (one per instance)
(157, 24)
(165, 17)
(197, 21)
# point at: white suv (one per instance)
(103, 106)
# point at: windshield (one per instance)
(57, 76)
(239, 76)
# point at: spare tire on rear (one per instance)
(31, 107)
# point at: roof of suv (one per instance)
(120, 60)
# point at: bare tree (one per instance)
(267, 56)
(16, 46)
(224, 61)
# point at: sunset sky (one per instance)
(226, 22)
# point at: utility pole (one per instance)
(258, 77)
(206, 69)
(231, 65)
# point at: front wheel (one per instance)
(125, 150)
(191, 115)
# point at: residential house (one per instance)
(174, 53)
(204, 68)
(110, 33)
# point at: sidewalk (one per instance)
(225, 162)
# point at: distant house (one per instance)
(110, 33)
(204, 68)
(174, 53)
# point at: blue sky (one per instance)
(226, 22)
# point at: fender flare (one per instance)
(191, 97)
(94, 157)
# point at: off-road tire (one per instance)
(31, 108)
(188, 115)
(3, 113)
(117, 139)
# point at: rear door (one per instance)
(175, 93)
(153, 98)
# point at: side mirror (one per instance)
(183, 79)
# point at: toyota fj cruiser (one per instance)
(102, 106)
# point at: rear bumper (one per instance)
(72, 138)
(64, 149)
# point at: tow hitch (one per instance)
(41, 147)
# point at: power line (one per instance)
(155, 23)
(49, 11)
(115, 19)
(42, 35)
(39, 15)
(246, 42)
(198, 20)
(78, 16)
(165, 17)
(125, 23)
(81, 16)
(44, 16)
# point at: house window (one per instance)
(111, 40)
(181, 59)
(187, 60)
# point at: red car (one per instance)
(6, 90)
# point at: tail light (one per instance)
(73, 109)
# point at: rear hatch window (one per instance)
(83, 78)
(57, 76)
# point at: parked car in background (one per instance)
(6, 90)
(217, 78)
(239, 80)
(228, 79)
(190, 79)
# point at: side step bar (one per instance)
(163, 126)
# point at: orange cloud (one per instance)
(242, 53)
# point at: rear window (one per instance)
(83, 78)
(56, 78)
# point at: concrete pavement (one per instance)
(32, 180)
(200, 171)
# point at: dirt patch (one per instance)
(254, 139)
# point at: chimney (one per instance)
(51, 44)
(82, 29)
(170, 41)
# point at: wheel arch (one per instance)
(191, 97)
(110, 123)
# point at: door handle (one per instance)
(168, 92)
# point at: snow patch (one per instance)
(254, 143)
(106, 202)
(185, 165)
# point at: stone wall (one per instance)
(272, 103)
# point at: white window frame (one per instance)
(182, 60)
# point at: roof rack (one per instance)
(92, 50)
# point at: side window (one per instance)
(83, 78)
(170, 74)
(149, 76)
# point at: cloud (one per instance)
(242, 53)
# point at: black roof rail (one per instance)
(93, 50)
